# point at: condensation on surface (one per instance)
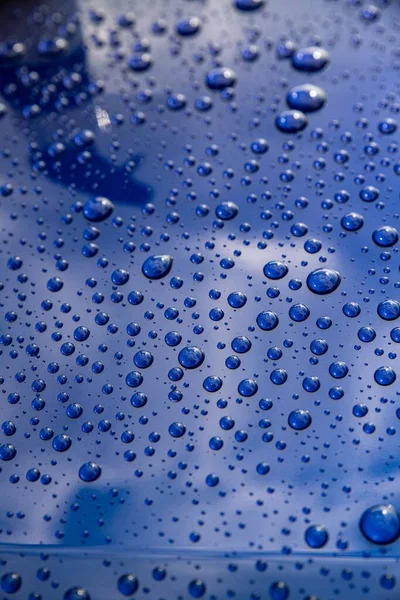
(199, 299)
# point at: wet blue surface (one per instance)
(199, 300)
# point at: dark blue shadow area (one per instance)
(58, 81)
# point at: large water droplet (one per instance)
(76, 593)
(248, 5)
(306, 97)
(11, 583)
(275, 269)
(128, 584)
(157, 266)
(291, 121)
(97, 209)
(385, 376)
(310, 59)
(389, 310)
(380, 524)
(191, 357)
(299, 419)
(323, 281)
(267, 320)
(316, 536)
(227, 211)
(188, 26)
(385, 236)
(89, 471)
(220, 78)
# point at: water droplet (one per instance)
(97, 209)
(76, 593)
(352, 221)
(157, 266)
(316, 536)
(291, 121)
(369, 193)
(306, 97)
(128, 585)
(299, 312)
(388, 126)
(385, 236)
(140, 61)
(7, 452)
(247, 388)
(299, 419)
(197, 588)
(310, 59)
(237, 299)
(89, 471)
(385, 376)
(11, 583)
(227, 211)
(220, 78)
(176, 430)
(275, 269)
(247, 5)
(191, 357)
(389, 310)
(267, 320)
(279, 591)
(380, 524)
(323, 281)
(188, 26)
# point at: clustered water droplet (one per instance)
(199, 300)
